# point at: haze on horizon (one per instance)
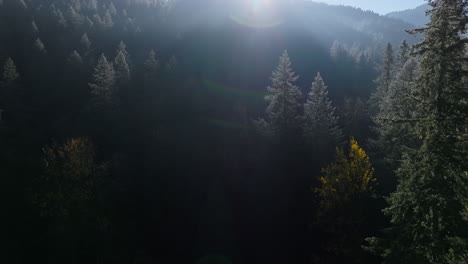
(379, 6)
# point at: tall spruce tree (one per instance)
(9, 74)
(123, 49)
(383, 81)
(429, 209)
(320, 122)
(103, 86)
(151, 63)
(404, 53)
(283, 110)
(394, 136)
(122, 71)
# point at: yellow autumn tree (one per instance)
(346, 186)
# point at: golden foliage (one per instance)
(346, 179)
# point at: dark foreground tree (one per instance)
(429, 210)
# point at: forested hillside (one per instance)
(211, 131)
(416, 16)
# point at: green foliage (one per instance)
(320, 122)
(9, 74)
(103, 86)
(151, 63)
(346, 186)
(283, 110)
(39, 46)
(122, 71)
(383, 81)
(428, 209)
(347, 179)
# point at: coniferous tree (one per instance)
(76, 4)
(103, 86)
(429, 209)
(283, 110)
(122, 71)
(39, 45)
(171, 64)
(10, 73)
(75, 57)
(338, 51)
(320, 122)
(394, 136)
(151, 69)
(107, 21)
(112, 9)
(35, 29)
(383, 81)
(92, 4)
(75, 18)
(122, 48)
(85, 42)
(151, 63)
(404, 53)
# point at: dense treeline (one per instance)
(147, 131)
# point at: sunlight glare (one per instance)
(259, 5)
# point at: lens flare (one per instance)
(245, 21)
(257, 14)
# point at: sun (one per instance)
(257, 14)
(258, 6)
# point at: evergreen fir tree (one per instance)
(75, 18)
(107, 21)
(122, 48)
(171, 65)
(39, 45)
(430, 206)
(404, 54)
(103, 86)
(75, 57)
(122, 71)
(151, 63)
(320, 122)
(92, 4)
(383, 81)
(112, 9)
(337, 51)
(85, 42)
(34, 27)
(9, 72)
(394, 136)
(283, 110)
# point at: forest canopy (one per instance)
(210, 131)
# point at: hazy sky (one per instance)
(379, 6)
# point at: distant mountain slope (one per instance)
(326, 22)
(416, 16)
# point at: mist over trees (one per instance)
(153, 131)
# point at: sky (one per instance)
(378, 6)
